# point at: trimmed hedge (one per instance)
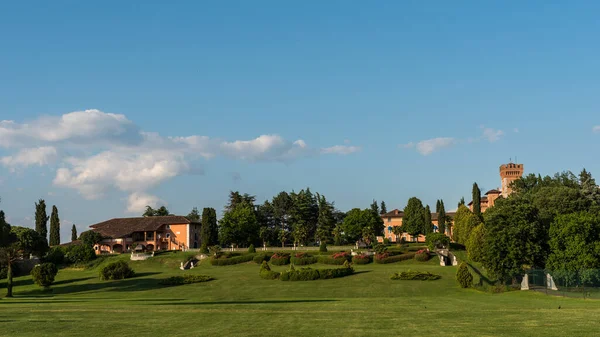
(335, 259)
(116, 271)
(228, 261)
(362, 259)
(185, 279)
(280, 259)
(260, 257)
(266, 272)
(415, 275)
(302, 259)
(422, 255)
(309, 274)
(382, 258)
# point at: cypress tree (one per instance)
(461, 202)
(428, 224)
(375, 207)
(54, 228)
(383, 207)
(441, 217)
(437, 206)
(41, 219)
(73, 233)
(476, 200)
(209, 234)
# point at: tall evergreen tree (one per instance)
(41, 218)
(54, 227)
(476, 200)
(375, 207)
(325, 220)
(413, 222)
(73, 233)
(441, 214)
(282, 208)
(437, 206)
(304, 216)
(209, 233)
(461, 202)
(5, 233)
(383, 207)
(194, 215)
(428, 223)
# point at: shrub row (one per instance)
(267, 273)
(260, 257)
(280, 259)
(228, 261)
(116, 271)
(415, 275)
(362, 259)
(185, 279)
(309, 274)
(303, 261)
(335, 259)
(382, 258)
(422, 255)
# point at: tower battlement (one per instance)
(509, 173)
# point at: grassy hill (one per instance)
(239, 303)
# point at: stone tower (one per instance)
(509, 173)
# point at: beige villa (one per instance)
(147, 234)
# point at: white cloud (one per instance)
(137, 202)
(79, 127)
(429, 146)
(596, 128)
(340, 149)
(407, 145)
(35, 156)
(492, 135)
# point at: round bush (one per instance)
(80, 253)
(55, 255)
(251, 249)
(116, 271)
(43, 274)
(463, 276)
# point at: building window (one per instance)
(389, 229)
(168, 235)
(389, 219)
(168, 226)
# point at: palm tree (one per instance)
(9, 255)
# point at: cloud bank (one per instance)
(429, 146)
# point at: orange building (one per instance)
(394, 219)
(508, 173)
(147, 234)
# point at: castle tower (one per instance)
(509, 173)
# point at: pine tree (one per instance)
(194, 215)
(476, 200)
(441, 217)
(383, 207)
(73, 233)
(375, 207)
(54, 228)
(461, 202)
(41, 219)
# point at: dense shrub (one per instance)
(204, 248)
(382, 258)
(260, 257)
(309, 274)
(335, 259)
(422, 255)
(43, 274)
(323, 247)
(280, 259)
(415, 275)
(361, 259)
(55, 255)
(386, 241)
(266, 272)
(116, 271)
(79, 253)
(380, 249)
(463, 276)
(228, 260)
(302, 259)
(185, 279)
(251, 249)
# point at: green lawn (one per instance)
(240, 303)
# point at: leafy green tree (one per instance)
(282, 209)
(375, 207)
(194, 215)
(355, 222)
(6, 236)
(575, 248)
(383, 207)
(397, 230)
(236, 199)
(476, 200)
(515, 238)
(437, 241)
(461, 224)
(90, 238)
(475, 244)
(73, 233)
(29, 241)
(304, 216)
(8, 256)
(413, 221)
(461, 202)
(54, 228)
(161, 211)
(44, 274)
(368, 235)
(441, 214)
(209, 232)
(428, 223)
(41, 218)
(239, 226)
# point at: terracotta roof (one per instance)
(494, 191)
(120, 227)
(483, 199)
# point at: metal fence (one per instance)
(584, 283)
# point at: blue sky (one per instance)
(110, 105)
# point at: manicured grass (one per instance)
(239, 303)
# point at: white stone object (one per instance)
(550, 282)
(525, 282)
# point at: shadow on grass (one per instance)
(361, 272)
(250, 302)
(72, 280)
(480, 274)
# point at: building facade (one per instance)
(394, 219)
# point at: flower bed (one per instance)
(415, 275)
(280, 259)
(422, 255)
(385, 258)
(335, 259)
(302, 259)
(228, 261)
(309, 274)
(361, 259)
(260, 257)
